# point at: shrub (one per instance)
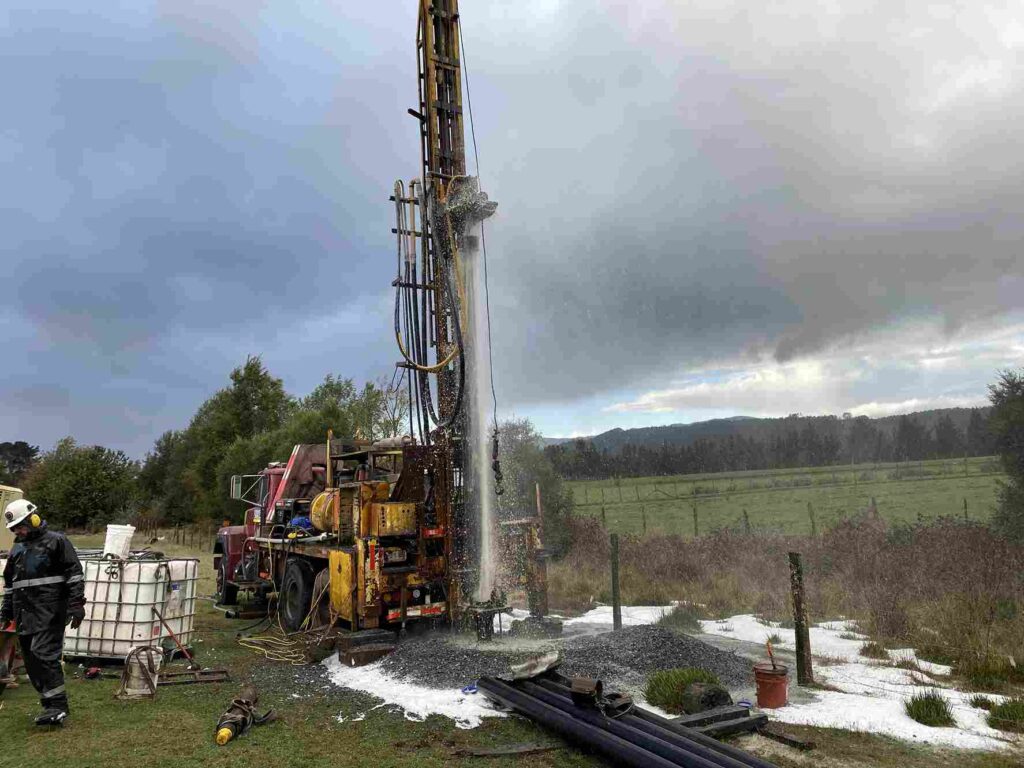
(930, 709)
(935, 653)
(873, 650)
(987, 672)
(982, 702)
(1008, 716)
(684, 616)
(665, 688)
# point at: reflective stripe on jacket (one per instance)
(41, 579)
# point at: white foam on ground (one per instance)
(632, 615)
(467, 710)
(416, 701)
(871, 693)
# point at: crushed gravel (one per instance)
(626, 657)
(622, 659)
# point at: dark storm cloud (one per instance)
(185, 185)
(699, 182)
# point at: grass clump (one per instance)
(1008, 716)
(684, 616)
(988, 672)
(873, 650)
(930, 709)
(665, 688)
(982, 702)
(935, 653)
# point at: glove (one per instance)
(76, 613)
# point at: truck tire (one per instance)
(296, 593)
(227, 594)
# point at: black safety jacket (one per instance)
(41, 579)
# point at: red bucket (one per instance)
(772, 684)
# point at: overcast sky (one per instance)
(706, 208)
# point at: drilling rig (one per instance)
(396, 531)
(435, 317)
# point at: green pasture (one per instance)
(784, 501)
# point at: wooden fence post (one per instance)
(810, 514)
(616, 603)
(746, 522)
(965, 509)
(804, 672)
(604, 519)
(696, 527)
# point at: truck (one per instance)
(374, 551)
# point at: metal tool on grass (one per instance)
(241, 716)
(192, 664)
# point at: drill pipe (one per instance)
(688, 755)
(665, 729)
(588, 737)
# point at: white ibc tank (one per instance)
(120, 597)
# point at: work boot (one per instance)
(52, 716)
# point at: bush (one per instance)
(930, 709)
(987, 672)
(1008, 716)
(665, 688)
(982, 702)
(873, 650)
(684, 616)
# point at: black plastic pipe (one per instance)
(646, 717)
(677, 754)
(574, 730)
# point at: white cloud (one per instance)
(911, 368)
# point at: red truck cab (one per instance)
(260, 491)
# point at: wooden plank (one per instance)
(713, 715)
(775, 733)
(737, 725)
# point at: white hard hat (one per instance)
(17, 511)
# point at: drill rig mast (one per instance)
(435, 219)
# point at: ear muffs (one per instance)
(35, 520)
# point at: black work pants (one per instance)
(41, 652)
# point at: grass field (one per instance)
(777, 500)
(175, 730)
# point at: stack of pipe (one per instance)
(637, 738)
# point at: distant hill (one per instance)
(614, 440)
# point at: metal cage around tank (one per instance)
(121, 596)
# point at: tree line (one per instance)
(792, 442)
(184, 477)
(239, 430)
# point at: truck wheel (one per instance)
(296, 593)
(227, 594)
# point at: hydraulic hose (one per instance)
(417, 332)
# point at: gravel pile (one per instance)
(622, 658)
(442, 661)
(626, 657)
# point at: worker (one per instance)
(44, 590)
